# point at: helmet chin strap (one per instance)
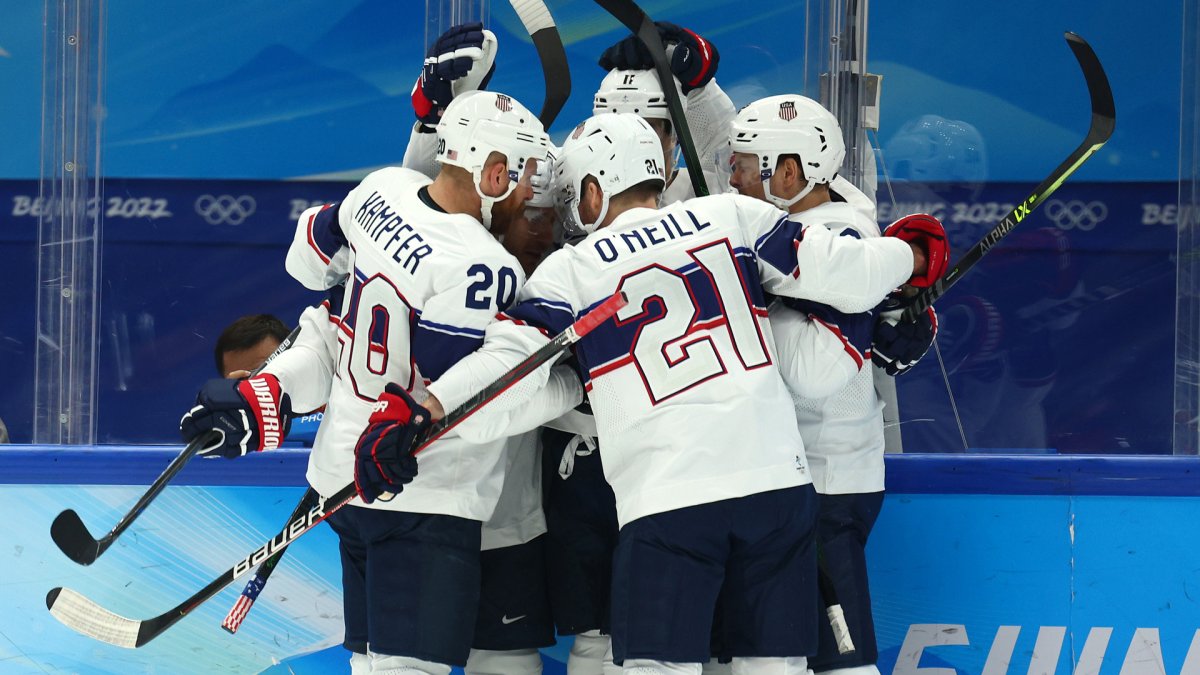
(592, 227)
(782, 202)
(485, 202)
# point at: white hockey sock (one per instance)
(610, 668)
(757, 665)
(856, 670)
(587, 654)
(649, 667)
(512, 662)
(715, 667)
(384, 664)
(360, 664)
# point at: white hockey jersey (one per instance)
(689, 405)
(422, 285)
(842, 426)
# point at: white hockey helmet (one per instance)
(789, 124)
(637, 92)
(618, 150)
(478, 123)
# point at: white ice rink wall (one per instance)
(979, 565)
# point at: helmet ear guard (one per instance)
(475, 125)
(773, 127)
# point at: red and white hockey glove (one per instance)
(462, 59)
(383, 458)
(926, 233)
(249, 415)
(694, 60)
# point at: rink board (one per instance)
(979, 565)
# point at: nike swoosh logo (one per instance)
(505, 620)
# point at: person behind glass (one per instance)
(246, 343)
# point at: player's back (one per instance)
(688, 403)
(423, 284)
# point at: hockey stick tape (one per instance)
(534, 14)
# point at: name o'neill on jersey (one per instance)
(378, 219)
(666, 230)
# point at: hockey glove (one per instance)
(249, 415)
(462, 59)
(898, 345)
(383, 458)
(927, 233)
(693, 61)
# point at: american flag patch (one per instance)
(504, 103)
(452, 154)
(787, 111)
(237, 614)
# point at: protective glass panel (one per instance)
(214, 126)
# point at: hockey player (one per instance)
(425, 279)
(786, 151)
(700, 500)
(514, 614)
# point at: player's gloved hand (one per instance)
(249, 415)
(462, 59)
(898, 345)
(926, 233)
(383, 458)
(693, 61)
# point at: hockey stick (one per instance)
(1104, 119)
(628, 13)
(84, 616)
(76, 541)
(540, 25)
(237, 613)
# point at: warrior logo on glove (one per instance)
(248, 415)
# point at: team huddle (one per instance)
(663, 492)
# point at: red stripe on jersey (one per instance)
(311, 240)
(858, 358)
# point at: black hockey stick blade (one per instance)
(540, 25)
(74, 539)
(1104, 120)
(77, 543)
(72, 536)
(84, 616)
(632, 16)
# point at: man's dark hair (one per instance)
(245, 333)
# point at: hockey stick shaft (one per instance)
(84, 616)
(73, 537)
(241, 608)
(636, 20)
(541, 28)
(1104, 119)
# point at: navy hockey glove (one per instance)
(383, 458)
(694, 61)
(249, 415)
(462, 59)
(898, 345)
(926, 233)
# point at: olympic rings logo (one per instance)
(1076, 214)
(225, 209)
